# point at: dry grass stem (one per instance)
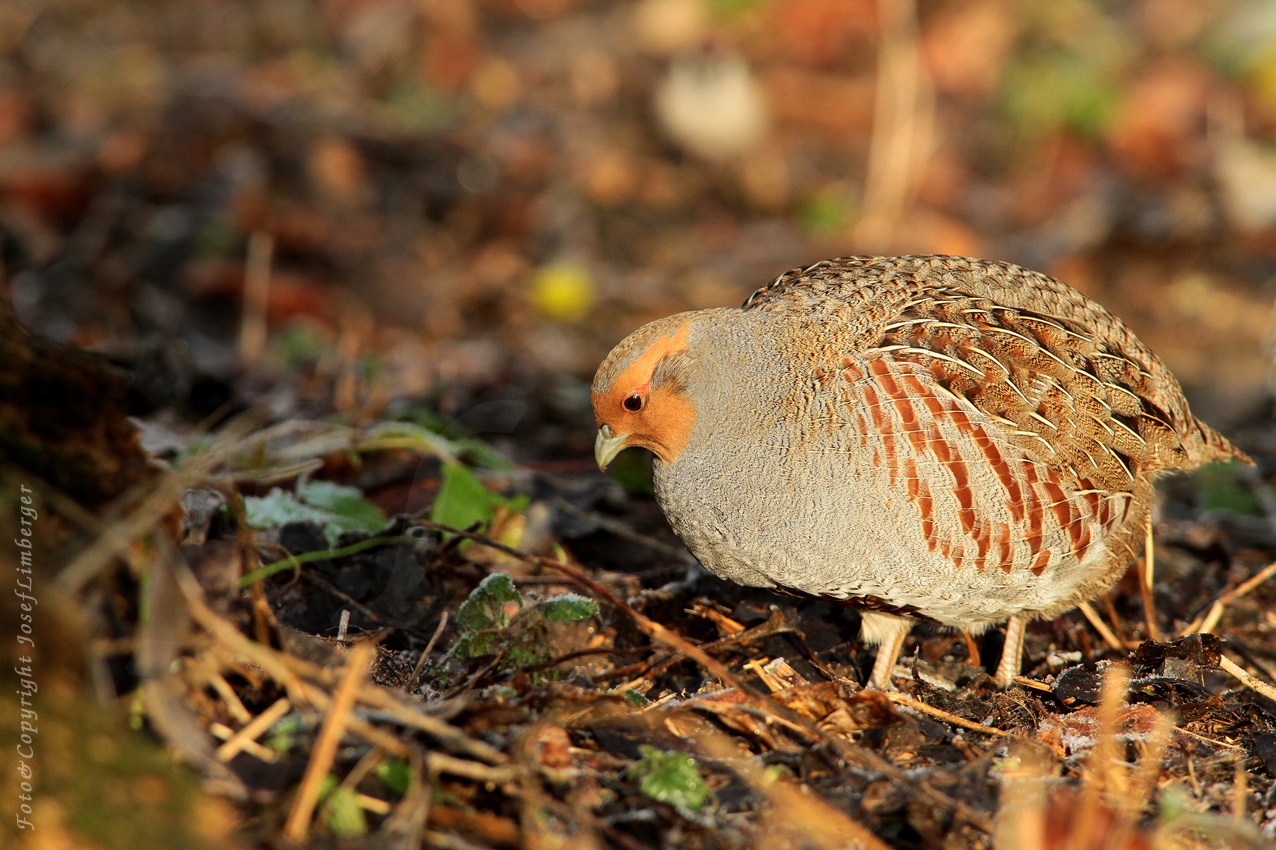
(358, 663)
(437, 763)
(230, 698)
(917, 705)
(252, 325)
(410, 686)
(1146, 774)
(1146, 579)
(251, 747)
(1101, 627)
(117, 537)
(1206, 622)
(255, 727)
(1240, 791)
(1105, 777)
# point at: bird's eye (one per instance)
(633, 403)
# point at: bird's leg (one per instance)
(1012, 652)
(888, 632)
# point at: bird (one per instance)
(935, 438)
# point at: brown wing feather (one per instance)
(1069, 381)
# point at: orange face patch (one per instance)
(664, 421)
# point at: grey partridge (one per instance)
(939, 438)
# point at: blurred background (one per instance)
(391, 196)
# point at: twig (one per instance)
(229, 697)
(775, 624)
(410, 687)
(254, 728)
(918, 705)
(1103, 776)
(449, 841)
(1251, 658)
(362, 768)
(282, 668)
(585, 653)
(357, 666)
(1116, 620)
(377, 696)
(403, 828)
(253, 748)
(1025, 682)
(1240, 791)
(1213, 742)
(483, 672)
(1249, 681)
(271, 662)
(352, 602)
(1143, 776)
(1100, 626)
(479, 772)
(404, 714)
(1206, 622)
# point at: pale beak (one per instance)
(607, 446)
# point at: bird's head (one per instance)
(640, 393)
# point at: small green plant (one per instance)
(634, 698)
(672, 778)
(496, 619)
(340, 810)
(397, 776)
(486, 615)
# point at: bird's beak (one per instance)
(607, 446)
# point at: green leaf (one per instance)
(462, 499)
(411, 436)
(343, 814)
(491, 605)
(449, 440)
(397, 776)
(355, 512)
(335, 508)
(475, 644)
(568, 608)
(672, 778)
